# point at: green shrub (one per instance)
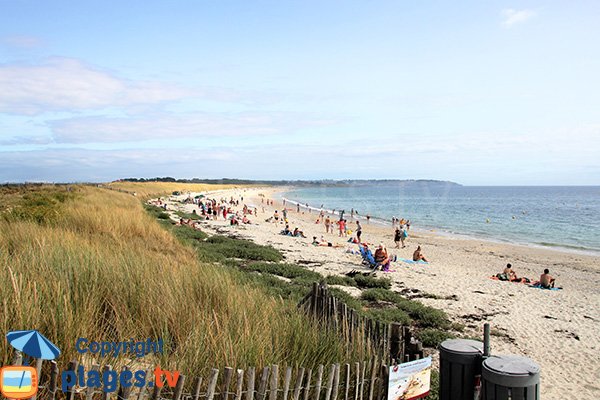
(424, 316)
(286, 270)
(380, 295)
(372, 282)
(340, 280)
(389, 315)
(433, 337)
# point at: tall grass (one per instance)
(96, 265)
(147, 189)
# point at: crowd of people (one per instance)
(213, 209)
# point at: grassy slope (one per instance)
(91, 263)
(147, 189)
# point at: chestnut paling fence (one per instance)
(367, 380)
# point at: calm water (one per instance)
(565, 217)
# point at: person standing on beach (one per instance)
(358, 231)
(403, 235)
(342, 227)
(368, 218)
(284, 212)
(397, 238)
(298, 208)
(327, 224)
(352, 213)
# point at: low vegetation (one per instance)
(82, 261)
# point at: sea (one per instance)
(563, 217)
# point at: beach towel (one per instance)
(538, 286)
(408, 261)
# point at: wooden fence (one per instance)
(390, 342)
(357, 381)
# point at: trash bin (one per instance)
(460, 363)
(510, 377)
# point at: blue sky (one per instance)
(492, 93)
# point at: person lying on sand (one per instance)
(418, 256)
(323, 243)
(547, 280)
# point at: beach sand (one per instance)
(560, 330)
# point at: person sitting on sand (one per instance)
(547, 280)
(245, 220)
(276, 216)
(510, 274)
(381, 258)
(418, 256)
(298, 233)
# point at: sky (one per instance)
(480, 93)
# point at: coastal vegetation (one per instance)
(82, 261)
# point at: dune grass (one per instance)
(82, 261)
(148, 189)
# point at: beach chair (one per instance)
(368, 258)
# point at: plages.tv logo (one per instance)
(21, 381)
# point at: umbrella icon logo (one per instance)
(21, 382)
(34, 344)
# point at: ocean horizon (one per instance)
(564, 218)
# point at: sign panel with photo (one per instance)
(410, 380)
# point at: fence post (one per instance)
(239, 384)
(71, 392)
(336, 382)
(262, 388)
(329, 387)
(179, 387)
(226, 382)
(196, 390)
(347, 391)
(286, 382)
(318, 383)
(105, 394)
(212, 384)
(124, 392)
(251, 380)
(274, 382)
(53, 379)
(298, 386)
(307, 387)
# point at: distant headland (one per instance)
(316, 182)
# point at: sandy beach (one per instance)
(558, 329)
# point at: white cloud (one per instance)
(63, 84)
(196, 125)
(512, 17)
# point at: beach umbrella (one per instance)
(33, 343)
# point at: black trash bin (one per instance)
(460, 363)
(510, 377)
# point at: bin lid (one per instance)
(511, 371)
(511, 365)
(462, 346)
